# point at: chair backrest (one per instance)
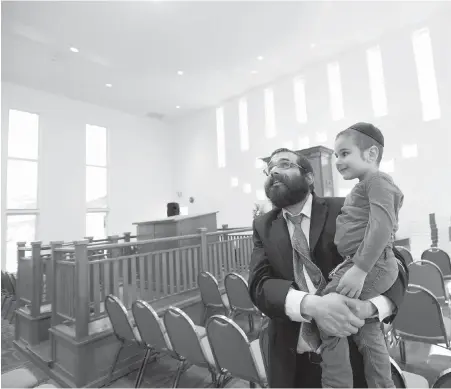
(209, 289)
(444, 380)
(12, 278)
(428, 275)
(119, 318)
(440, 258)
(406, 254)
(7, 284)
(231, 349)
(149, 325)
(420, 317)
(238, 293)
(184, 338)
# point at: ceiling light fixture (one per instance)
(74, 50)
(108, 85)
(180, 72)
(177, 106)
(312, 45)
(254, 72)
(260, 58)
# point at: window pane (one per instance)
(23, 134)
(377, 84)
(299, 100)
(427, 82)
(96, 187)
(22, 184)
(20, 228)
(220, 137)
(244, 130)
(96, 145)
(96, 225)
(270, 114)
(335, 92)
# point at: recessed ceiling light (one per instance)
(260, 58)
(180, 72)
(312, 45)
(108, 85)
(177, 106)
(74, 50)
(254, 72)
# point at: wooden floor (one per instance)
(421, 359)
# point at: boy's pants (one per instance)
(336, 366)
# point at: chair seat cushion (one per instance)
(19, 378)
(257, 352)
(225, 300)
(136, 333)
(415, 380)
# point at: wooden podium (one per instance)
(174, 226)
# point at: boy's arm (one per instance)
(380, 225)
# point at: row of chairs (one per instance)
(435, 255)
(235, 301)
(8, 294)
(222, 347)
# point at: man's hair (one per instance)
(301, 160)
(363, 142)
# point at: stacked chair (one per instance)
(211, 296)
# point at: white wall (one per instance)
(140, 166)
(425, 180)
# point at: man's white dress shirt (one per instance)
(294, 297)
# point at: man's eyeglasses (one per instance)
(283, 165)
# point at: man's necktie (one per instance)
(301, 259)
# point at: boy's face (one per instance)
(350, 162)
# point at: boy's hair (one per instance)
(364, 136)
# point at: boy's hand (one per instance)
(351, 282)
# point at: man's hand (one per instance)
(362, 309)
(332, 314)
(351, 283)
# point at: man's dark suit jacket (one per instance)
(271, 276)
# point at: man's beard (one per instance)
(291, 190)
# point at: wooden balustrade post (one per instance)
(127, 239)
(89, 238)
(36, 278)
(52, 289)
(81, 289)
(20, 286)
(224, 234)
(203, 249)
(114, 253)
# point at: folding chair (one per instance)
(211, 296)
(444, 380)
(429, 276)
(153, 332)
(420, 319)
(441, 259)
(190, 345)
(406, 254)
(124, 331)
(239, 300)
(233, 351)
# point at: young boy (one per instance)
(364, 238)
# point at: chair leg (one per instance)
(402, 350)
(142, 369)
(250, 318)
(116, 358)
(180, 371)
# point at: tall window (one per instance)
(21, 183)
(270, 125)
(244, 129)
(377, 84)
(335, 91)
(299, 100)
(427, 82)
(96, 181)
(220, 137)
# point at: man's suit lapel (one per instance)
(317, 220)
(280, 239)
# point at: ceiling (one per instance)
(138, 47)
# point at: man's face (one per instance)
(286, 186)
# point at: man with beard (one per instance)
(283, 284)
